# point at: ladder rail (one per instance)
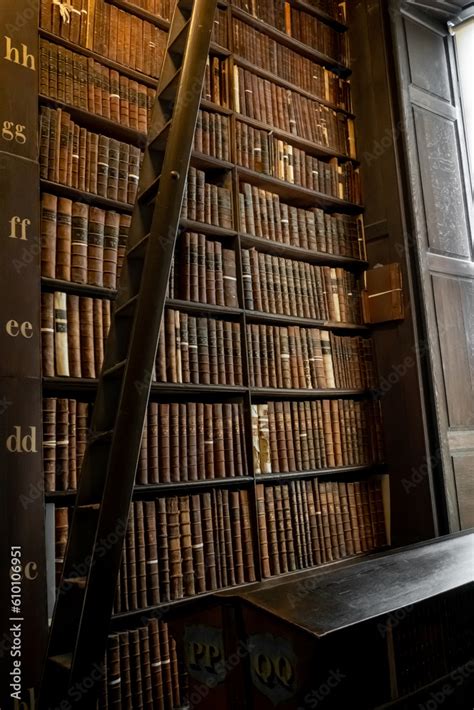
(150, 306)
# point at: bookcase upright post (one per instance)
(22, 587)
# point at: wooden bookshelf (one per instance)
(222, 173)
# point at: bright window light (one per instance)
(465, 50)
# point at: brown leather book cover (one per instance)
(86, 319)
(49, 443)
(49, 206)
(73, 336)
(131, 562)
(140, 554)
(247, 537)
(186, 546)
(79, 237)
(175, 554)
(163, 549)
(237, 542)
(113, 169)
(208, 541)
(111, 243)
(63, 239)
(263, 532)
(174, 451)
(95, 251)
(156, 663)
(197, 545)
(103, 165)
(147, 690)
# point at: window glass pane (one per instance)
(465, 51)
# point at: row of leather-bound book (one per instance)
(86, 84)
(186, 441)
(196, 441)
(142, 670)
(72, 156)
(202, 350)
(82, 243)
(261, 151)
(292, 112)
(277, 285)
(266, 53)
(263, 214)
(111, 32)
(199, 350)
(301, 25)
(179, 546)
(207, 202)
(312, 435)
(308, 358)
(311, 522)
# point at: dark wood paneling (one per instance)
(464, 468)
(399, 355)
(439, 197)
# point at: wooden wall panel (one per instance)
(399, 346)
(439, 197)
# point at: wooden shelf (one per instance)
(204, 161)
(320, 14)
(77, 289)
(121, 68)
(81, 196)
(68, 498)
(52, 285)
(82, 384)
(298, 195)
(62, 498)
(261, 317)
(123, 619)
(191, 486)
(288, 41)
(141, 13)
(305, 144)
(205, 228)
(204, 308)
(180, 389)
(211, 106)
(295, 393)
(299, 254)
(219, 50)
(97, 123)
(366, 470)
(191, 225)
(271, 76)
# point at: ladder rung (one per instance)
(127, 306)
(137, 251)
(78, 582)
(63, 661)
(150, 192)
(100, 437)
(158, 142)
(115, 368)
(177, 44)
(89, 507)
(169, 91)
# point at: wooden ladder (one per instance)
(84, 604)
